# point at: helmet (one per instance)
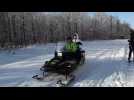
(69, 38)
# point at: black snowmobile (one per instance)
(63, 63)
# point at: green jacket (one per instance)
(71, 47)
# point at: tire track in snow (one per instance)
(85, 68)
(116, 78)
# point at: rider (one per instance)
(76, 39)
(70, 49)
(79, 43)
(70, 46)
(131, 45)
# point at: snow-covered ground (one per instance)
(106, 66)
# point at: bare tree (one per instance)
(18, 29)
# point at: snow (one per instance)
(106, 66)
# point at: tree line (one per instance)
(19, 29)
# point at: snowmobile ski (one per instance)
(41, 77)
(60, 80)
(66, 82)
(37, 77)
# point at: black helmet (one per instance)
(69, 38)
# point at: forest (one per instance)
(20, 29)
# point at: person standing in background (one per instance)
(131, 45)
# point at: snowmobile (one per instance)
(63, 63)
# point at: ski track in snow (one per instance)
(106, 66)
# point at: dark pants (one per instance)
(131, 51)
(78, 55)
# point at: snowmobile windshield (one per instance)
(60, 46)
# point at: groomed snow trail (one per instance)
(106, 66)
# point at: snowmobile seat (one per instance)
(71, 62)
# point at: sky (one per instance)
(124, 16)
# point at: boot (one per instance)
(129, 60)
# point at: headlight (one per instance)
(59, 54)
